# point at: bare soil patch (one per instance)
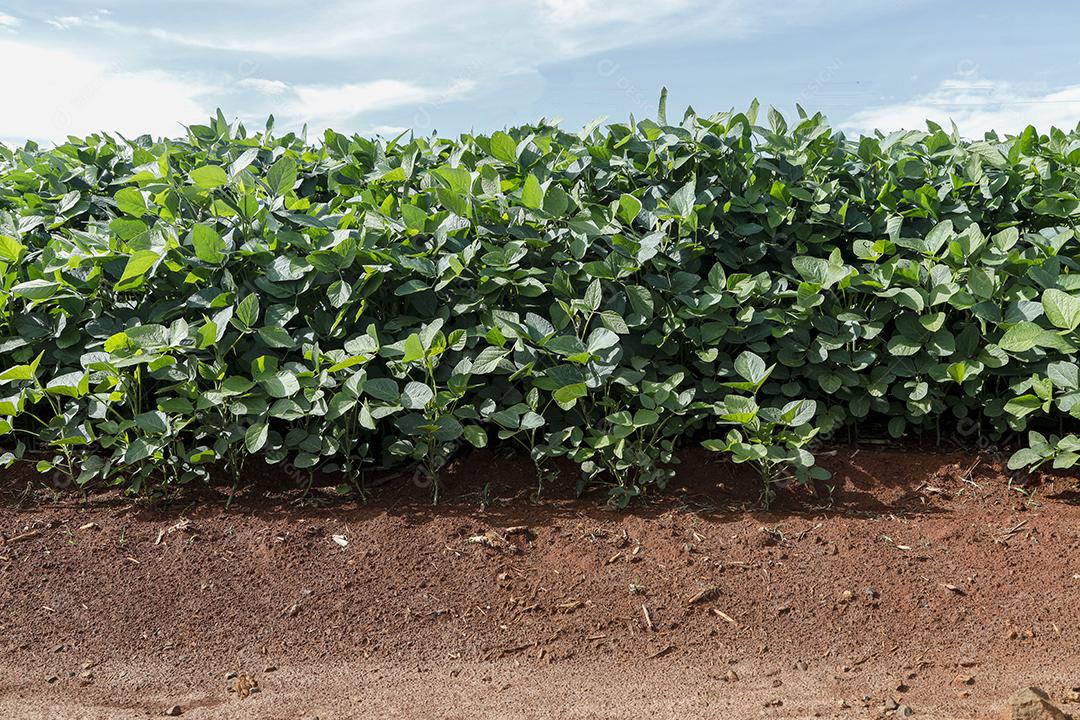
(924, 581)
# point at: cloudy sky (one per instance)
(377, 67)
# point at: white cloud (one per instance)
(321, 105)
(976, 106)
(521, 34)
(65, 22)
(8, 22)
(391, 131)
(83, 95)
(584, 27)
(339, 26)
(264, 86)
(95, 19)
(367, 56)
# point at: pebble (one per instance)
(174, 711)
(1031, 703)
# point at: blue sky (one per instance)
(377, 67)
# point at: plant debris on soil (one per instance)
(924, 584)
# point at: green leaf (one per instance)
(281, 384)
(600, 339)
(566, 345)
(138, 450)
(1023, 405)
(130, 202)
(938, 236)
(306, 460)
(751, 367)
(36, 289)
(276, 337)
(825, 273)
(629, 207)
(18, 372)
(567, 395)
(476, 436)
(154, 422)
(532, 195)
(594, 294)
(209, 247)
(504, 147)
(415, 218)
(739, 410)
(339, 293)
(384, 389)
(138, 265)
(414, 349)
(282, 176)
(256, 436)
(209, 177)
(1024, 457)
(73, 384)
(1061, 308)
(798, 412)
(1022, 336)
(416, 396)
(11, 250)
(682, 202)
(247, 311)
(1064, 375)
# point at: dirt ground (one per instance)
(926, 582)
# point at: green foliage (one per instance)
(771, 439)
(169, 306)
(1062, 452)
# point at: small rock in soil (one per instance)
(174, 711)
(245, 685)
(1030, 703)
(965, 680)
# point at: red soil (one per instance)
(926, 580)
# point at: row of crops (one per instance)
(176, 309)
